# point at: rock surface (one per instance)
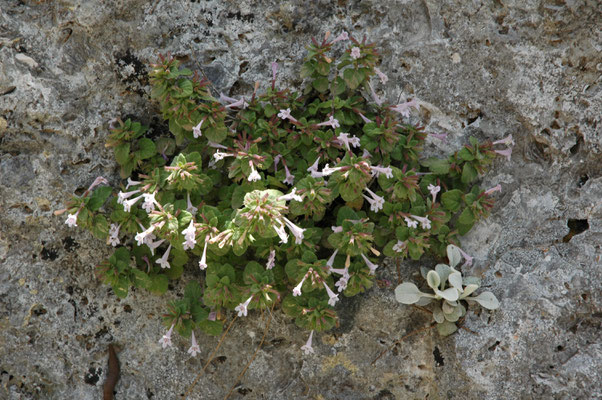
(528, 68)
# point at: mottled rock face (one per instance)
(488, 69)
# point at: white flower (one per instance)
(189, 207)
(114, 235)
(203, 262)
(291, 196)
(196, 131)
(163, 260)
(332, 122)
(281, 233)
(331, 259)
(166, 339)
(153, 245)
(342, 36)
(375, 97)
(190, 231)
(286, 114)
(127, 205)
(289, 178)
(71, 220)
(355, 53)
(327, 170)
(508, 141)
(141, 236)
(376, 201)
(370, 264)
(424, 221)
(332, 297)
(254, 174)
(434, 190)
(132, 183)
(399, 246)
(220, 156)
(376, 170)
(194, 347)
(271, 260)
(122, 196)
(337, 229)
(149, 202)
(295, 230)
(314, 166)
(307, 347)
(297, 289)
(411, 223)
(242, 307)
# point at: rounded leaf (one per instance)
(455, 280)
(438, 314)
(468, 290)
(454, 255)
(446, 328)
(443, 270)
(450, 294)
(407, 293)
(487, 300)
(433, 280)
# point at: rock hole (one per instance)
(576, 227)
(559, 348)
(70, 244)
(439, 360)
(582, 180)
(49, 254)
(150, 394)
(39, 310)
(575, 149)
(493, 346)
(244, 391)
(92, 376)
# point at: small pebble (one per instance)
(23, 59)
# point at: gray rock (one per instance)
(527, 68)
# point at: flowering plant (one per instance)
(281, 197)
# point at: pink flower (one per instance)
(467, 257)
(336, 229)
(425, 223)
(375, 97)
(383, 77)
(141, 236)
(307, 347)
(496, 188)
(98, 181)
(440, 136)
(508, 141)
(166, 339)
(242, 307)
(506, 152)
(314, 166)
(404, 108)
(356, 53)
(194, 347)
(274, 70)
(344, 139)
(342, 36)
(366, 120)
(233, 102)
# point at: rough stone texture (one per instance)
(486, 68)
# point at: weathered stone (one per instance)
(527, 68)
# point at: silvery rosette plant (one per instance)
(280, 197)
(450, 290)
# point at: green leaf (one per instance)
(446, 328)
(465, 221)
(216, 134)
(433, 279)
(193, 291)
(158, 283)
(465, 154)
(146, 149)
(186, 88)
(321, 84)
(213, 328)
(269, 110)
(452, 200)
(469, 173)
(99, 197)
(353, 78)
(439, 166)
(120, 288)
(100, 227)
(122, 153)
(323, 68)
(140, 278)
(174, 271)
